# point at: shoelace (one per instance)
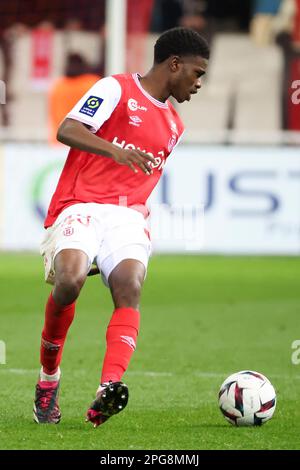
(44, 398)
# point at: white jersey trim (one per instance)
(157, 103)
(109, 90)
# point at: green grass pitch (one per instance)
(202, 318)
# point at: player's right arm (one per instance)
(88, 115)
(75, 134)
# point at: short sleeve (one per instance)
(97, 105)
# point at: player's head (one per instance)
(185, 54)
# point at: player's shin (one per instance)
(121, 338)
(58, 319)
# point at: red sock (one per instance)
(58, 319)
(121, 337)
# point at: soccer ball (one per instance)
(247, 398)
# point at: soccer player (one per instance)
(121, 133)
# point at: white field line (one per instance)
(19, 371)
(4, 370)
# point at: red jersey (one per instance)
(120, 111)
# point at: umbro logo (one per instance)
(135, 120)
(50, 346)
(128, 340)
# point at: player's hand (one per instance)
(133, 159)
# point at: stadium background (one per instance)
(222, 289)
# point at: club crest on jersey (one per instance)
(134, 106)
(91, 105)
(172, 142)
(135, 120)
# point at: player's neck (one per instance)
(155, 84)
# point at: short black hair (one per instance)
(181, 42)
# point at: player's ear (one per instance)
(174, 62)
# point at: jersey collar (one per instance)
(156, 102)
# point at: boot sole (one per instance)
(112, 400)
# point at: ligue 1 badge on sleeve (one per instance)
(91, 105)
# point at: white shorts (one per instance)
(107, 233)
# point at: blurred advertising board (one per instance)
(227, 200)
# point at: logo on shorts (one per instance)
(68, 231)
(82, 219)
(91, 105)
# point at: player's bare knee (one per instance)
(127, 293)
(68, 286)
(65, 294)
